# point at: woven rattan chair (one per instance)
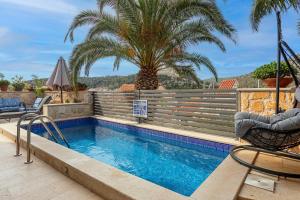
(273, 135)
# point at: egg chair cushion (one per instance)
(287, 121)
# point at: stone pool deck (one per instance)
(37, 181)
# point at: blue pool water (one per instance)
(175, 162)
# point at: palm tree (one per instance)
(262, 8)
(152, 34)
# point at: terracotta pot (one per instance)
(4, 88)
(82, 89)
(284, 82)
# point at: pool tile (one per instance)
(179, 140)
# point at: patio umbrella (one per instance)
(59, 77)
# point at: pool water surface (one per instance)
(177, 163)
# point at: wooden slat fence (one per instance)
(208, 111)
(114, 104)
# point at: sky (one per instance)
(32, 39)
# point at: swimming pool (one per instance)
(178, 163)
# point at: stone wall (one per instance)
(70, 110)
(29, 97)
(68, 97)
(262, 100)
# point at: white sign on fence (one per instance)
(140, 108)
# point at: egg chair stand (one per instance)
(271, 140)
(275, 143)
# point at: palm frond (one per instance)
(299, 27)
(151, 34)
(186, 71)
(88, 17)
(262, 8)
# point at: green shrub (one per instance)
(81, 86)
(38, 86)
(269, 71)
(4, 83)
(28, 87)
(18, 83)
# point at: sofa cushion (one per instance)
(10, 109)
(11, 102)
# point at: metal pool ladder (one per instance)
(33, 118)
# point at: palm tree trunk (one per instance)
(147, 79)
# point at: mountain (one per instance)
(169, 82)
(114, 82)
(245, 81)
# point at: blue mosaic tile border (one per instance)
(170, 138)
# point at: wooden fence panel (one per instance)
(208, 111)
(114, 104)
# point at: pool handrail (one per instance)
(29, 126)
(22, 118)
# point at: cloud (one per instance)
(5, 57)
(9, 38)
(5, 36)
(3, 32)
(27, 68)
(57, 6)
(258, 40)
(56, 52)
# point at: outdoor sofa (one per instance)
(14, 108)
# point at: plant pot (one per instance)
(19, 89)
(284, 82)
(4, 88)
(82, 89)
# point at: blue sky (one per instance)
(32, 39)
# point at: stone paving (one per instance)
(37, 181)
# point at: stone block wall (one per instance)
(262, 100)
(29, 97)
(70, 110)
(68, 97)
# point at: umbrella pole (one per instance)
(279, 35)
(61, 95)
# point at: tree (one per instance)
(262, 8)
(152, 34)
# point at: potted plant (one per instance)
(267, 73)
(4, 85)
(38, 88)
(81, 86)
(18, 83)
(29, 87)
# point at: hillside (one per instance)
(245, 81)
(114, 82)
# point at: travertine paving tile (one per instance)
(37, 181)
(285, 189)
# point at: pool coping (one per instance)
(112, 183)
